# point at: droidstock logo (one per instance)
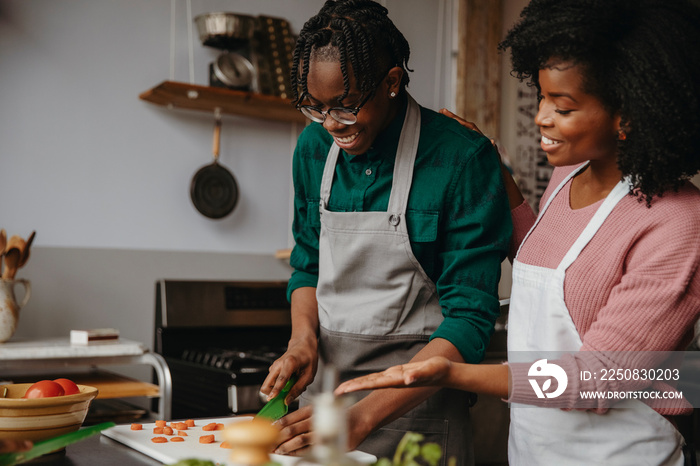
(541, 369)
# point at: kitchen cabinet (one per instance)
(174, 94)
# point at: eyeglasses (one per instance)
(344, 115)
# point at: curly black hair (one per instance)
(641, 58)
(358, 32)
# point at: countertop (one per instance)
(96, 450)
(59, 348)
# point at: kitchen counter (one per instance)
(96, 450)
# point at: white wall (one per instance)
(85, 163)
(104, 177)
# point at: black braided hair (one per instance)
(358, 32)
(641, 58)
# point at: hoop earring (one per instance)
(392, 95)
(621, 135)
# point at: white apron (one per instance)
(631, 433)
(378, 308)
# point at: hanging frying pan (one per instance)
(214, 190)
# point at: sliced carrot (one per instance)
(161, 423)
(168, 430)
(158, 430)
(206, 439)
(210, 426)
(159, 440)
(136, 426)
(225, 444)
(179, 425)
(219, 427)
(190, 422)
(177, 439)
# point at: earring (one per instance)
(621, 135)
(392, 94)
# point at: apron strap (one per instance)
(405, 159)
(549, 201)
(620, 190)
(328, 171)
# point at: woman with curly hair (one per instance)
(606, 277)
(401, 223)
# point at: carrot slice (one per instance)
(159, 440)
(189, 422)
(136, 426)
(219, 427)
(179, 425)
(225, 444)
(177, 439)
(182, 433)
(206, 439)
(161, 423)
(158, 430)
(210, 426)
(168, 430)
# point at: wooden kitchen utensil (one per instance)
(12, 257)
(3, 243)
(25, 254)
(14, 250)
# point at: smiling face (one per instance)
(325, 86)
(574, 124)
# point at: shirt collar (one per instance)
(387, 141)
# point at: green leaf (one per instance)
(193, 462)
(383, 462)
(431, 453)
(410, 452)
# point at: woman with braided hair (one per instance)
(605, 279)
(401, 223)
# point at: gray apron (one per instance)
(378, 308)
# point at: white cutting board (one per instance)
(172, 452)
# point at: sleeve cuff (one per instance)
(519, 386)
(467, 340)
(299, 280)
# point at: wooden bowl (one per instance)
(42, 418)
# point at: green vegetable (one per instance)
(412, 452)
(198, 462)
(193, 462)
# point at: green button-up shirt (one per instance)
(458, 216)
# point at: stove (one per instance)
(219, 339)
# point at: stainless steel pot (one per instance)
(224, 30)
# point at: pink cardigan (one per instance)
(634, 287)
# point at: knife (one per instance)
(50, 445)
(276, 407)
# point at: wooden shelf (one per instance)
(284, 254)
(193, 97)
(109, 384)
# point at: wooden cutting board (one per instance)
(172, 452)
